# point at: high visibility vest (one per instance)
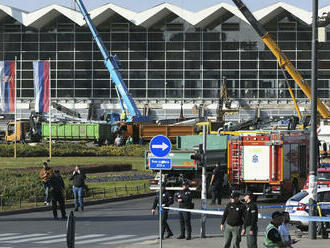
(123, 116)
(267, 242)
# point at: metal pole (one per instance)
(49, 112)
(203, 196)
(160, 209)
(313, 136)
(15, 144)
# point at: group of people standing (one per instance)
(239, 218)
(54, 187)
(184, 198)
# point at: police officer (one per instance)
(167, 200)
(216, 183)
(273, 238)
(233, 216)
(250, 226)
(184, 198)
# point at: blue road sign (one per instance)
(160, 163)
(160, 146)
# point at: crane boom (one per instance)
(112, 64)
(282, 59)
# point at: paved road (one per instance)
(118, 224)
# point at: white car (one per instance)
(301, 199)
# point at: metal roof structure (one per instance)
(149, 17)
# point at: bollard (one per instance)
(103, 193)
(137, 188)
(35, 199)
(70, 230)
(116, 191)
(92, 193)
(126, 189)
(145, 188)
(20, 202)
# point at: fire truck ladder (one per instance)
(236, 161)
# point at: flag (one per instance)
(41, 85)
(7, 85)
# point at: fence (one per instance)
(89, 195)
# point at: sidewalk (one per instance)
(218, 241)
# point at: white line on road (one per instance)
(35, 239)
(104, 239)
(64, 239)
(7, 234)
(131, 240)
(21, 236)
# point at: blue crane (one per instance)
(113, 65)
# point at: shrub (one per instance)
(71, 150)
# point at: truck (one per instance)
(269, 164)
(87, 132)
(184, 168)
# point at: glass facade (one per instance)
(169, 60)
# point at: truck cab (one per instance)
(22, 129)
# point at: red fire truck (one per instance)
(273, 163)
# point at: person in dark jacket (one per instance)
(57, 187)
(250, 226)
(184, 198)
(167, 200)
(78, 178)
(234, 217)
(216, 183)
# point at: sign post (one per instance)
(160, 146)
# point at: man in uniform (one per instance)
(167, 200)
(273, 238)
(234, 215)
(216, 183)
(250, 226)
(184, 198)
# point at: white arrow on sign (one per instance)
(163, 146)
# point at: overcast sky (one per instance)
(139, 5)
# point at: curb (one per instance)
(71, 205)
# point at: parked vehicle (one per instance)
(98, 133)
(323, 178)
(186, 169)
(269, 164)
(297, 205)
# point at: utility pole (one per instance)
(203, 196)
(313, 136)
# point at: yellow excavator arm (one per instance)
(282, 59)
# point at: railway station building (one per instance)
(170, 57)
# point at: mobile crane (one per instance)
(113, 65)
(283, 60)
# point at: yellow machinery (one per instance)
(282, 59)
(211, 127)
(22, 129)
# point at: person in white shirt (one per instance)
(283, 229)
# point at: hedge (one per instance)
(71, 150)
(25, 183)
